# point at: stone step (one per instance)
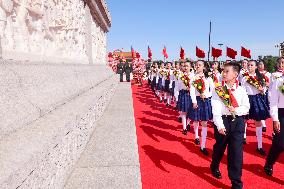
(111, 158)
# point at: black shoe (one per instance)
(216, 173)
(245, 141)
(188, 127)
(197, 141)
(264, 129)
(121, 81)
(168, 105)
(180, 119)
(161, 101)
(261, 151)
(184, 132)
(204, 151)
(268, 170)
(165, 100)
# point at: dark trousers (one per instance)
(128, 77)
(277, 142)
(234, 139)
(121, 77)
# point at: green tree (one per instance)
(270, 63)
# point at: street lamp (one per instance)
(280, 47)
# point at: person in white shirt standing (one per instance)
(201, 93)
(266, 76)
(259, 107)
(277, 113)
(229, 124)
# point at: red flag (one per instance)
(110, 55)
(245, 53)
(165, 52)
(137, 55)
(181, 54)
(149, 53)
(216, 52)
(133, 54)
(231, 53)
(200, 53)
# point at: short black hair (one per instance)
(235, 65)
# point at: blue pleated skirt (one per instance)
(203, 112)
(266, 100)
(160, 86)
(167, 86)
(259, 107)
(184, 103)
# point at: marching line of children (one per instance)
(191, 93)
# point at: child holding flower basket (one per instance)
(161, 81)
(230, 103)
(277, 114)
(184, 104)
(259, 109)
(201, 92)
(266, 78)
(168, 77)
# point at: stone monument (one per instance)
(65, 31)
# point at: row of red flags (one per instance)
(216, 53)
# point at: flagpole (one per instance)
(209, 50)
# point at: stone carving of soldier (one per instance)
(6, 6)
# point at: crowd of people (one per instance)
(228, 95)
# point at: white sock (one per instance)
(259, 136)
(196, 126)
(169, 99)
(203, 137)
(245, 134)
(165, 96)
(188, 121)
(161, 97)
(263, 123)
(183, 117)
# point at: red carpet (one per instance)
(169, 159)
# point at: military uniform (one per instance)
(128, 70)
(120, 70)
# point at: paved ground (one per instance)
(111, 159)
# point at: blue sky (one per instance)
(255, 24)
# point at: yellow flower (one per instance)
(217, 85)
(182, 79)
(185, 81)
(227, 96)
(195, 85)
(247, 77)
(199, 87)
(220, 93)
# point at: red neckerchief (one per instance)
(263, 72)
(233, 99)
(215, 79)
(168, 75)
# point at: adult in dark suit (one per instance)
(120, 70)
(128, 69)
